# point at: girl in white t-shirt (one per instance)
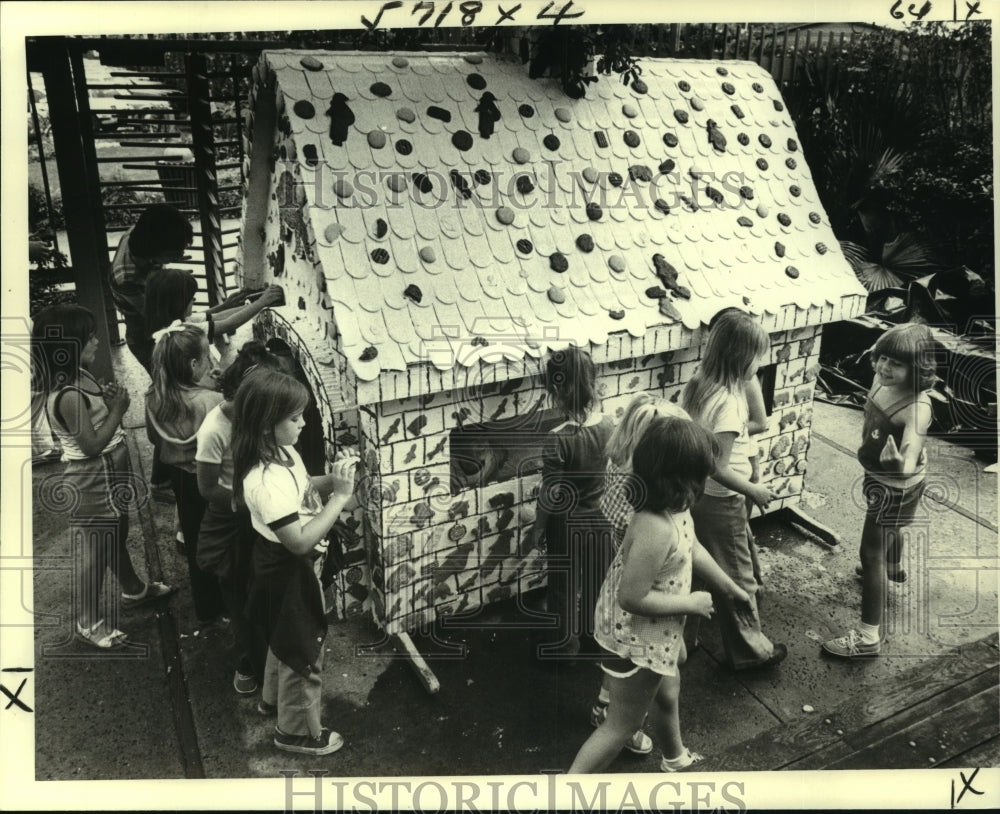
(226, 536)
(290, 523)
(716, 397)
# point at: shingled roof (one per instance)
(638, 206)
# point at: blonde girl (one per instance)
(86, 416)
(647, 595)
(716, 397)
(897, 417)
(290, 522)
(569, 517)
(176, 405)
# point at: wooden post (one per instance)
(83, 224)
(203, 147)
(795, 57)
(90, 151)
(784, 54)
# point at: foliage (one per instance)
(567, 52)
(897, 129)
(40, 219)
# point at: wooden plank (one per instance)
(786, 743)
(885, 744)
(944, 734)
(985, 755)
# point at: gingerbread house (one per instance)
(439, 222)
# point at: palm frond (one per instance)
(906, 254)
(856, 254)
(876, 277)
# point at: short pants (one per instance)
(890, 506)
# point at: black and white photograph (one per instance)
(436, 405)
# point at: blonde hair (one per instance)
(734, 342)
(171, 372)
(638, 415)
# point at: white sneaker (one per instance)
(679, 764)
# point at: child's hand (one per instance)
(116, 396)
(760, 495)
(742, 605)
(891, 458)
(272, 295)
(701, 604)
(343, 475)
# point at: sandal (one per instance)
(150, 593)
(99, 636)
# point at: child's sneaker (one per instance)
(685, 760)
(244, 684)
(266, 709)
(327, 743)
(640, 743)
(852, 646)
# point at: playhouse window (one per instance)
(499, 451)
(767, 375)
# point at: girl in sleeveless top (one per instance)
(897, 416)
(647, 595)
(86, 416)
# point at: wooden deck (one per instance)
(944, 713)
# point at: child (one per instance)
(618, 485)
(226, 534)
(897, 416)
(86, 417)
(716, 397)
(160, 236)
(170, 294)
(176, 405)
(290, 524)
(647, 593)
(569, 516)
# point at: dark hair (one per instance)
(161, 228)
(168, 292)
(671, 463)
(251, 356)
(911, 344)
(570, 381)
(263, 400)
(58, 336)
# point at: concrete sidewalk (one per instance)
(171, 712)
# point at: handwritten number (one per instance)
(924, 10)
(442, 15)
(507, 15)
(469, 11)
(560, 15)
(371, 26)
(894, 12)
(423, 5)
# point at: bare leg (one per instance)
(630, 699)
(89, 575)
(666, 718)
(121, 563)
(873, 579)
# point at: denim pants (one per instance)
(720, 524)
(298, 698)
